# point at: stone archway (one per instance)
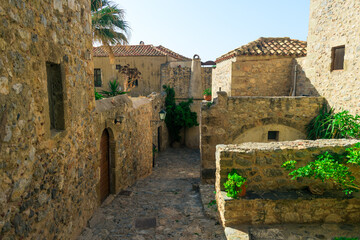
(260, 134)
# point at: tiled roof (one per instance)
(268, 47)
(128, 50)
(172, 53)
(137, 50)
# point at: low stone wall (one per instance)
(261, 164)
(248, 119)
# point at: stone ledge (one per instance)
(279, 146)
(270, 211)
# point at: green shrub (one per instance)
(114, 87)
(98, 95)
(178, 116)
(207, 92)
(329, 125)
(233, 184)
(330, 167)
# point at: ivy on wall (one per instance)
(178, 116)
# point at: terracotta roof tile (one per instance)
(268, 47)
(137, 50)
(172, 53)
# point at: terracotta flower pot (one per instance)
(243, 190)
(207, 97)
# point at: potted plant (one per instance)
(207, 94)
(235, 186)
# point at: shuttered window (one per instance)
(97, 77)
(338, 54)
(55, 96)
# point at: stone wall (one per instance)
(206, 77)
(261, 76)
(49, 177)
(230, 120)
(221, 77)
(332, 24)
(261, 164)
(254, 76)
(303, 83)
(159, 130)
(149, 66)
(130, 141)
(177, 75)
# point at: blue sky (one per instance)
(211, 28)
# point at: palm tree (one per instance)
(109, 26)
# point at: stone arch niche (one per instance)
(107, 164)
(261, 134)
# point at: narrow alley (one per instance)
(165, 205)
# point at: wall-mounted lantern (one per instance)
(119, 118)
(162, 115)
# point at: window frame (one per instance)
(334, 56)
(97, 75)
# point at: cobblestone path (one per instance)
(165, 205)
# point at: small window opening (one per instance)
(56, 96)
(273, 135)
(133, 83)
(97, 77)
(338, 54)
(118, 66)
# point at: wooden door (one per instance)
(104, 166)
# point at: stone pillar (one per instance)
(192, 135)
(195, 90)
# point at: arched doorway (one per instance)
(104, 165)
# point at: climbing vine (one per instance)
(178, 116)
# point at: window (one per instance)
(56, 96)
(118, 67)
(97, 77)
(338, 54)
(133, 83)
(273, 135)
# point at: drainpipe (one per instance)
(295, 79)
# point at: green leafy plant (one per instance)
(207, 92)
(327, 125)
(178, 116)
(211, 203)
(114, 89)
(154, 150)
(233, 184)
(98, 95)
(108, 25)
(330, 167)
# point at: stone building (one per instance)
(62, 153)
(280, 67)
(263, 67)
(148, 59)
(235, 120)
(158, 66)
(331, 68)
